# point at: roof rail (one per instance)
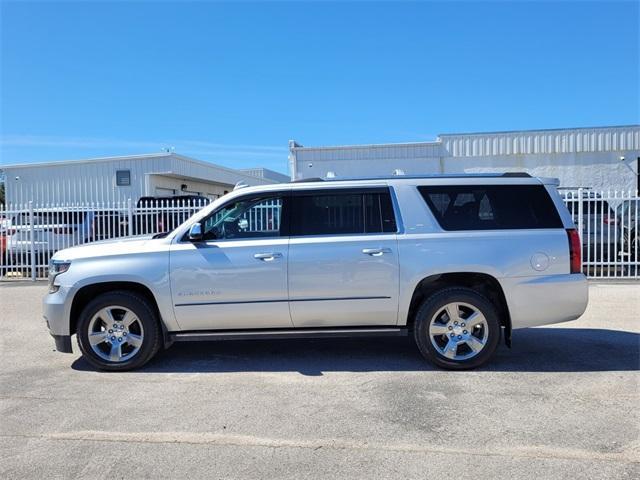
(516, 174)
(240, 184)
(307, 180)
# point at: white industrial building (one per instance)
(267, 174)
(117, 179)
(579, 157)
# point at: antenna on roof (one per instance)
(240, 184)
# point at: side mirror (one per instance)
(195, 232)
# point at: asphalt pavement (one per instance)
(562, 403)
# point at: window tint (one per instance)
(246, 218)
(491, 207)
(339, 213)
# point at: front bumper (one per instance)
(56, 311)
(63, 343)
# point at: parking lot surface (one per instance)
(563, 403)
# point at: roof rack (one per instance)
(516, 174)
(426, 176)
(308, 180)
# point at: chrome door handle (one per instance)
(375, 252)
(267, 257)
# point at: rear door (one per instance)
(343, 258)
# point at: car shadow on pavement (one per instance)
(534, 350)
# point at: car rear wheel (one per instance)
(118, 331)
(457, 329)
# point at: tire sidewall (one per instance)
(435, 303)
(144, 312)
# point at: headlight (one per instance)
(56, 267)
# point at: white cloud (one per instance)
(187, 147)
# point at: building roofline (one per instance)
(369, 145)
(143, 156)
(537, 130)
(88, 160)
(442, 136)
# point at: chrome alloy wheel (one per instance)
(458, 331)
(115, 334)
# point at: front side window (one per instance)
(335, 212)
(491, 207)
(246, 218)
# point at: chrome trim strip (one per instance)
(276, 301)
(209, 335)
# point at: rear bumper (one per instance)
(546, 299)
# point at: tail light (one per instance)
(609, 220)
(575, 251)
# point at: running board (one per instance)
(277, 334)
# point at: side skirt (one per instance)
(272, 334)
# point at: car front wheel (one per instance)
(457, 329)
(118, 331)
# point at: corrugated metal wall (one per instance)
(543, 142)
(588, 157)
(369, 152)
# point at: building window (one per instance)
(123, 178)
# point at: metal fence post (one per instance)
(580, 220)
(130, 217)
(32, 249)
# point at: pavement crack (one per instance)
(193, 438)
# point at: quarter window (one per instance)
(335, 212)
(491, 207)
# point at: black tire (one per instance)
(140, 306)
(433, 305)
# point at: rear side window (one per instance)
(336, 212)
(491, 207)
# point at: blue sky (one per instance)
(233, 82)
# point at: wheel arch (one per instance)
(483, 283)
(87, 292)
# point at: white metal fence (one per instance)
(608, 227)
(30, 234)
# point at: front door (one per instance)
(236, 278)
(343, 258)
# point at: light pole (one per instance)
(636, 172)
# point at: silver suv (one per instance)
(455, 262)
